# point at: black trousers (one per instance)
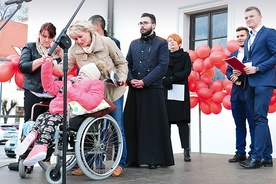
(184, 133)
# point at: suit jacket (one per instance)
(237, 91)
(263, 55)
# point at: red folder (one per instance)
(235, 64)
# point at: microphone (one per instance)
(16, 1)
(72, 80)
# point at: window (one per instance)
(209, 28)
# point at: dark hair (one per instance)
(50, 28)
(151, 16)
(241, 28)
(97, 19)
(250, 8)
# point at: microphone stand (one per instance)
(64, 42)
(17, 8)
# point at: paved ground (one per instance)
(204, 168)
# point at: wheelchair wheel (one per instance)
(22, 169)
(99, 147)
(51, 176)
(70, 161)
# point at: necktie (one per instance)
(251, 39)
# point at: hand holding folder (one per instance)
(236, 64)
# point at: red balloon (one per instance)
(12, 56)
(73, 71)
(15, 62)
(227, 52)
(205, 107)
(273, 100)
(217, 58)
(209, 72)
(274, 92)
(217, 85)
(203, 51)
(208, 64)
(223, 68)
(193, 76)
(198, 65)
(215, 108)
(192, 54)
(199, 84)
(19, 79)
(226, 102)
(192, 86)
(217, 47)
(7, 71)
(193, 101)
(206, 79)
(218, 97)
(272, 108)
(204, 93)
(228, 88)
(232, 45)
(226, 81)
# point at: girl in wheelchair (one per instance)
(86, 89)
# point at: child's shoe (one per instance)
(25, 144)
(37, 154)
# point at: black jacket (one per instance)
(177, 73)
(32, 79)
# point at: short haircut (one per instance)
(97, 19)
(151, 16)
(241, 28)
(250, 8)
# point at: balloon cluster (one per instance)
(210, 95)
(10, 68)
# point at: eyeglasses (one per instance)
(143, 23)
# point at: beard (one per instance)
(147, 33)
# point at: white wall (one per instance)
(217, 131)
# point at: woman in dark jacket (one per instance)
(30, 65)
(177, 73)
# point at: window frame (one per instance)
(210, 38)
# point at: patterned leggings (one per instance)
(45, 125)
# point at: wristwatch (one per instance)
(257, 68)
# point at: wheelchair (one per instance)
(95, 146)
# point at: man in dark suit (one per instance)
(260, 81)
(240, 110)
(99, 25)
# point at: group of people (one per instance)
(252, 92)
(151, 68)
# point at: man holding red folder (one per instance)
(240, 110)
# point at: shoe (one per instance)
(77, 172)
(25, 144)
(187, 157)
(237, 158)
(38, 153)
(118, 171)
(152, 166)
(251, 163)
(267, 162)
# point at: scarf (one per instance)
(89, 49)
(177, 56)
(44, 51)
